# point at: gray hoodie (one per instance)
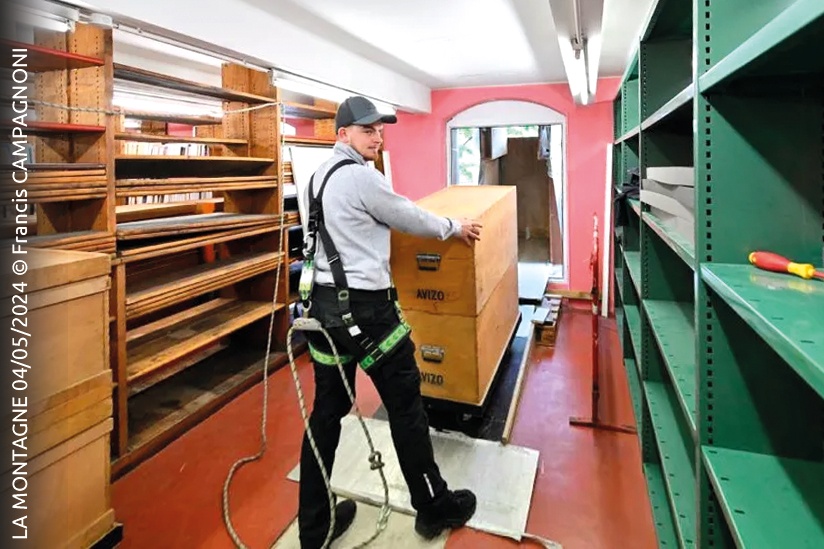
(360, 209)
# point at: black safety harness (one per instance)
(370, 353)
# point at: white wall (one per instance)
(257, 33)
(506, 113)
(522, 113)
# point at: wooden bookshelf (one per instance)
(197, 240)
(198, 249)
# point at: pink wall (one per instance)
(417, 145)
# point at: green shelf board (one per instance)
(631, 71)
(661, 514)
(632, 317)
(635, 205)
(768, 501)
(680, 104)
(633, 263)
(635, 389)
(786, 311)
(634, 132)
(672, 325)
(684, 249)
(668, 19)
(789, 44)
(619, 287)
(675, 459)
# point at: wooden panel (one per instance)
(495, 326)
(49, 268)
(523, 169)
(465, 276)
(70, 486)
(134, 74)
(51, 87)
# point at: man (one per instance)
(358, 208)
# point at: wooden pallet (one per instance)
(546, 319)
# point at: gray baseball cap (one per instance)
(358, 110)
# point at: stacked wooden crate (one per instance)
(64, 386)
(461, 301)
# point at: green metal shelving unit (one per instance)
(725, 362)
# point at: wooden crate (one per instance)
(67, 496)
(461, 301)
(449, 277)
(68, 397)
(68, 318)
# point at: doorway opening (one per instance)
(531, 158)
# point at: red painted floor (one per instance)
(589, 493)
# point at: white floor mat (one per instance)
(502, 477)
(399, 533)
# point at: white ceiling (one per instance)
(462, 43)
(395, 51)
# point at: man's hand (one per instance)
(470, 231)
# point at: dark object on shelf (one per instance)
(632, 189)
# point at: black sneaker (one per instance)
(344, 516)
(452, 510)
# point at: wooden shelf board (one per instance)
(162, 138)
(42, 59)
(170, 158)
(187, 224)
(152, 295)
(298, 110)
(142, 76)
(177, 245)
(768, 501)
(169, 343)
(37, 127)
(164, 412)
(175, 185)
(175, 118)
(128, 213)
(36, 168)
(89, 241)
(786, 311)
(295, 140)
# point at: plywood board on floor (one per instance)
(398, 534)
(502, 477)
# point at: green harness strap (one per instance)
(386, 345)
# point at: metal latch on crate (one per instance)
(429, 262)
(432, 353)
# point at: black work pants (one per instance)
(397, 380)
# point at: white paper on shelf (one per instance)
(305, 161)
